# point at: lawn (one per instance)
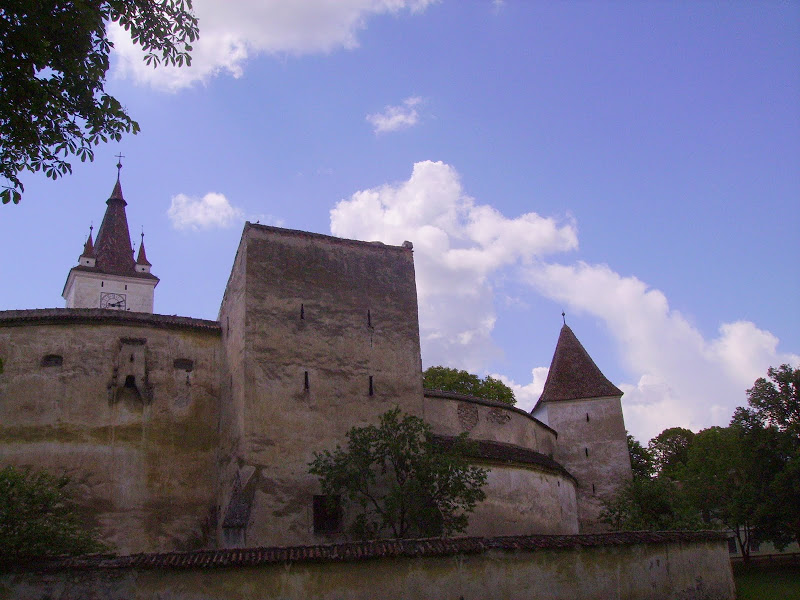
(767, 582)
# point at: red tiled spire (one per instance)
(113, 246)
(573, 374)
(88, 247)
(141, 258)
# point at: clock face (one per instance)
(111, 300)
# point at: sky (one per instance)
(635, 165)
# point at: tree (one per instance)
(776, 402)
(725, 479)
(38, 517)
(54, 56)
(655, 504)
(641, 460)
(399, 481)
(462, 382)
(670, 450)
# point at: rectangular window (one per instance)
(371, 387)
(305, 380)
(327, 514)
(731, 545)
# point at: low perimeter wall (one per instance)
(674, 565)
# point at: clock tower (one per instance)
(107, 276)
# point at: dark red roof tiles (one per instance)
(141, 259)
(88, 247)
(357, 551)
(573, 374)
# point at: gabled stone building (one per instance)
(187, 433)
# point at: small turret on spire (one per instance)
(87, 257)
(142, 264)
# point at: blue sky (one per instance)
(635, 164)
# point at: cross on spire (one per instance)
(564, 317)
(120, 156)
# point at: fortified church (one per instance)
(186, 433)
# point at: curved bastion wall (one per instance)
(126, 403)
(526, 491)
(133, 406)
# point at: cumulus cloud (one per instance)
(210, 211)
(459, 246)
(676, 376)
(394, 118)
(681, 378)
(230, 33)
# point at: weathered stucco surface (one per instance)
(592, 445)
(514, 568)
(104, 400)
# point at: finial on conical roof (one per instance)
(120, 156)
(564, 317)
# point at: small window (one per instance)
(327, 514)
(593, 488)
(731, 545)
(369, 319)
(101, 284)
(130, 382)
(302, 311)
(126, 287)
(183, 364)
(586, 450)
(371, 387)
(52, 360)
(305, 381)
(587, 417)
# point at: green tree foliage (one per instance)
(655, 504)
(38, 517)
(726, 480)
(771, 426)
(54, 56)
(397, 481)
(669, 450)
(642, 464)
(462, 382)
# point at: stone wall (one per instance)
(592, 445)
(329, 337)
(126, 403)
(628, 566)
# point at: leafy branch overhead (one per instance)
(397, 481)
(54, 58)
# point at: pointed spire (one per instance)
(88, 247)
(113, 246)
(141, 259)
(573, 374)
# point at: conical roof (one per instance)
(88, 247)
(141, 258)
(573, 374)
(113, 246)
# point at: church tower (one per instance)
(584, 408)
(107, 276)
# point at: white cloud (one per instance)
(682, 379)
(212, 210)
(394, 118)
(527, 394)
(232, 32)
(459, 245)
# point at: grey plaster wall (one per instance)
(692, 570)
(104, 399)
(334, 313)
(593, 449)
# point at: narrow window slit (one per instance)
(302, 311)
(369, 319)
(305, 380)
(587, 417)
(587, 451)
(371, 387)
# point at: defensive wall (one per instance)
(627, 566)
(126, 403)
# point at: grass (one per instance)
(767, 582)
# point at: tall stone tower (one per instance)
(107, 276)
(584, 407)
